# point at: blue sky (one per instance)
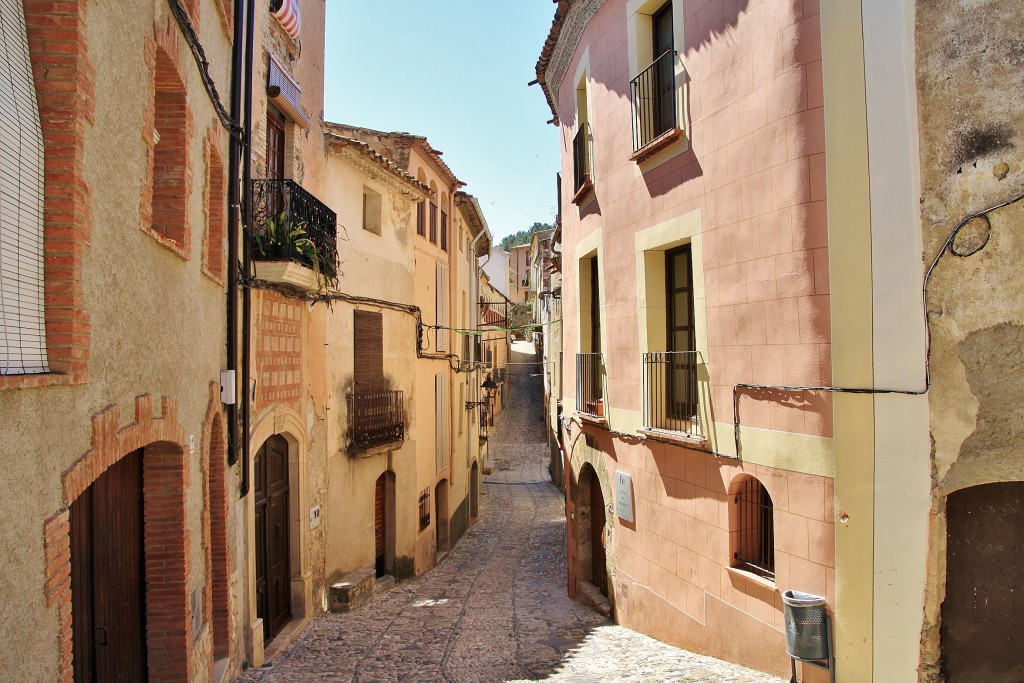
(455, 72)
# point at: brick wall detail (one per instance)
(167, 131)
(279, 352)
(214, 207)
(168, 563)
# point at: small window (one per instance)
(371, 211)
(753, 528)
(433, 222)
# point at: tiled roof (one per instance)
(546, 52)
(381, 160)
(394, 145)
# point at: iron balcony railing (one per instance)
(670, 392)
(290, 223)
(376, 418)
(581, 158)
(590, 384)
(653, 93)
(493, 313)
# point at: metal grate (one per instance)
(582, 172)
(376, 418)
(589, 385)
(284, 214)
(653, 93)
(755, 532)
(424, 508)
(22, 328)
(670, 391)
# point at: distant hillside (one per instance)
(523, 236)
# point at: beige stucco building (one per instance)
(110, 394)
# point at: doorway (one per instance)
(273, 570)
(441, 514)
(108, 576)
(384, 524)
(982, 623)
(591, 531)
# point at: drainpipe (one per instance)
(246, 394)
(234, 206)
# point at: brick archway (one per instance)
(217, 596)
(166, 542)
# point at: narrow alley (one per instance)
(495, 609)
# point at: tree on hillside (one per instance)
(524, 236)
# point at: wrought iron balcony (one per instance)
(376, 418)
(590, 384)
(494, 313)
(581, 159)
(290, 224)
(671, 392)
(653, 93)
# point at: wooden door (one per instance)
(682, 389)
(108, 577)
(983, 613)
(273, 571)
(275, 145)
(380, 526)
(597, 523)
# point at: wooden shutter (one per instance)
(442, 307)
(441, 407)
(368, 352)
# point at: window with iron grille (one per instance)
(753, 531)
(421, 219)
(424, 508)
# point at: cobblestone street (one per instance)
(495, 609)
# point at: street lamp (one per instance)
(490, 387)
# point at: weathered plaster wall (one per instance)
(970, 88)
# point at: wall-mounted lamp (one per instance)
(488, 386)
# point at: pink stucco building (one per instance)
(695, 262)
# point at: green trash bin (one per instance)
(806, 633)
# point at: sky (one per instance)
(457, 73)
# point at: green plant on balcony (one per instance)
(283, 238)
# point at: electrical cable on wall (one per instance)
(947, 247)
(189, 31)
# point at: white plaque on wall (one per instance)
(624, 496)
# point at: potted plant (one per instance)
(284, 239)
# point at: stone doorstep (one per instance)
(589, 595)
(383, 584)
(353, 590)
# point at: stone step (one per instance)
(352, 590)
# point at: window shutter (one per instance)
(22, 325)
(368, 352)
(442, 308)
(441, 408)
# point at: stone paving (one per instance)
(495, 609)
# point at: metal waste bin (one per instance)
(806, 634)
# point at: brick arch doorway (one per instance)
(591, 530)
(273, 537)
(384, 523)
(127, 621)
(981, 626)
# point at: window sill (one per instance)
(171, 245)
(593, 419)
(370, 451)
(681, 438)
(752, 577)
(585, 189)
(657, 144)
(42, 379)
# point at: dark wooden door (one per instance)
(664, 72)
(108, 577)
(273, 572)
(681, 336)
(275, 145)
(983, 613)
(379, 525)
(597, 522)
